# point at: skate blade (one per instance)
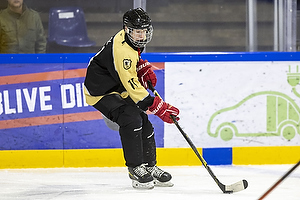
(157, 183)
(143, 186)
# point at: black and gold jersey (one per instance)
(113, 70)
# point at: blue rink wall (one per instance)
(45, 121)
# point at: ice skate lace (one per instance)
(155, 171)
(140, 170)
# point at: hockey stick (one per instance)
(280, 180)
(236, 187)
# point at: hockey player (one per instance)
(116, 83)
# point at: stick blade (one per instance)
(236, 187)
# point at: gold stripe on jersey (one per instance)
(125, 61)
(92, 100)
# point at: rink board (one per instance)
(165, 157)
(45, 122)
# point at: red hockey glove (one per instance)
(145, 73)
(163, 110)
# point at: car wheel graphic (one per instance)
(288, 130)
(226, 131)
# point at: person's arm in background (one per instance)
(1, 46)
(41, 42)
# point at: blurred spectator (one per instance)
(21, 29)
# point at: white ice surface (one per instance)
(190, 183)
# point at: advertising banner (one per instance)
(235, 104)
(42, 106)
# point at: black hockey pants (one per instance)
(136, 131)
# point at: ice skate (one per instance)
(161, 178)
(141, 179)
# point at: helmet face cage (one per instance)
(139, 37)
(137, 25)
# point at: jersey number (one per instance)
(132, 83)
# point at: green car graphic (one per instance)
(282, 118)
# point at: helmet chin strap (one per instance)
(126, 30)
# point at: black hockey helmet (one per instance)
(138, 19)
